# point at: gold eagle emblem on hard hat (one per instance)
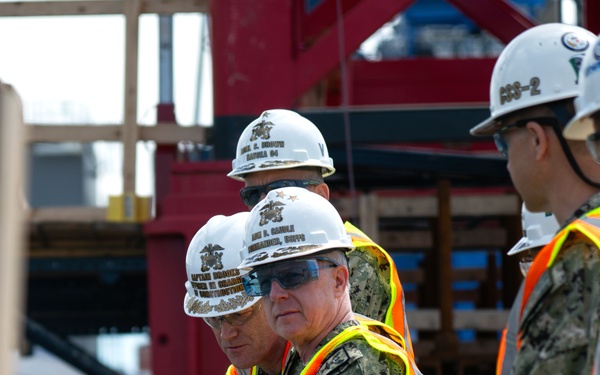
(262, 130)
(211, 258)
(271, 212)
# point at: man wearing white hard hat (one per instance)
(216, 294)
(533, 85)
(538, 230)
(295, 251)
(586, 123)
(282, 148)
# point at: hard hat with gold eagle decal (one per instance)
(291, 222)
(280, 139)
(214, 286)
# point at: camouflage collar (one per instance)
(586, 207)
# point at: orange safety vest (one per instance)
(376, 341)
(395, 316)
(507, 350)
(232, 370)
(588, 225)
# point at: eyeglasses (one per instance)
(500, 135)
(235, 319)
(251, 194)
(289, 275)
(593, 146)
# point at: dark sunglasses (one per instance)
(500, 135)
(289, 275)
(251, 194)
(592, 145)
(235, 319)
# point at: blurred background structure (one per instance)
(133, 109)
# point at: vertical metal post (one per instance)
(130, 128)
(199, 80)
(165, 66)
(12, 217)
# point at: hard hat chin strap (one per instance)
(563, 116)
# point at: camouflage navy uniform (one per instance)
(353, 357)
(369, 282)
(560, 322)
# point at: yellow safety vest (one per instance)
(232, 370)
(376, 341)
(395, 316)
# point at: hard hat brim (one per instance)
(273, 256)
(212, 312)
(522, 245)
(487, 127)
(579, 127)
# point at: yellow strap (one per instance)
(590, 231)
(375, 341)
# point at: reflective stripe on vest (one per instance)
(395, 316)
(507, 350)
(232, 370)
(381, 343)
(588, 225)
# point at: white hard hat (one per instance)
(291, 222)
(280, 139)
(214, 286)
(588, 101)
(538, 229)
(541, 65)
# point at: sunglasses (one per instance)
(500, 135)
(289, 275)
(251, 195)
(235, 319)
(592, 145)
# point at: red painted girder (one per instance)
(252, 55)
(257, 66)
(501, 18)
(424, 80)
(323, 16)
(360, 23)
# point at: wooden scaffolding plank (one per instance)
(96, 7)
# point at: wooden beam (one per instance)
(369, 222)
(97, 7)
(12, 217)
(130, 129)
(66, 214)
(161, 133)
(443, 235)
(416, 206)
(480, 320)
(461, 238)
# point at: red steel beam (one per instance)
(501, 18)
(359, 23)
(312, 24)
(420, 81)
(256, 65)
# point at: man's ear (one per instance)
(342, 276)
(322, 189)
(541, 139)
